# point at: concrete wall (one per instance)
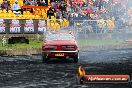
(15, 52)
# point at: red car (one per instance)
(60, 45)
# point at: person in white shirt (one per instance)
(16, 7)
(3, 41)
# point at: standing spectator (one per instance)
(5, 5)
(50, 12)
(16, 7)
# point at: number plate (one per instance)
(59, 54)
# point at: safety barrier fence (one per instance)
(102, 26)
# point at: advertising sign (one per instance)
(29, 26)
(15, 26)
(21, 26)
(41, 26)
(2, 26)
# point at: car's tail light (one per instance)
(69, 47)
(49, 47)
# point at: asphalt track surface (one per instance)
(30, 72)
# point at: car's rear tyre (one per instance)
(82, 80)
(76, 57)
(45, 59)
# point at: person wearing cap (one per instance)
(16, 7)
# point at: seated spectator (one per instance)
(42, 3)
(28, 2)
(16, 7)
(84, 4)
(89, 11)
(5, 5)
(50, 12)
(33, 2)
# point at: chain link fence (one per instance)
(101, 35)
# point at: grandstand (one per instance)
(38, 12)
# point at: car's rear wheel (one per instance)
(82, 80)
(76, 57)
(45, 59)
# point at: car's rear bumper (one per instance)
(62, 53)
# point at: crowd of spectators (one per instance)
(60, 8)
(16, 6)
(35, 2)
(95, 8)
(101, 9)
(79, 9)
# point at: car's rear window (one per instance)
(52, 37)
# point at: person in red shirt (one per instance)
(89, 11)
